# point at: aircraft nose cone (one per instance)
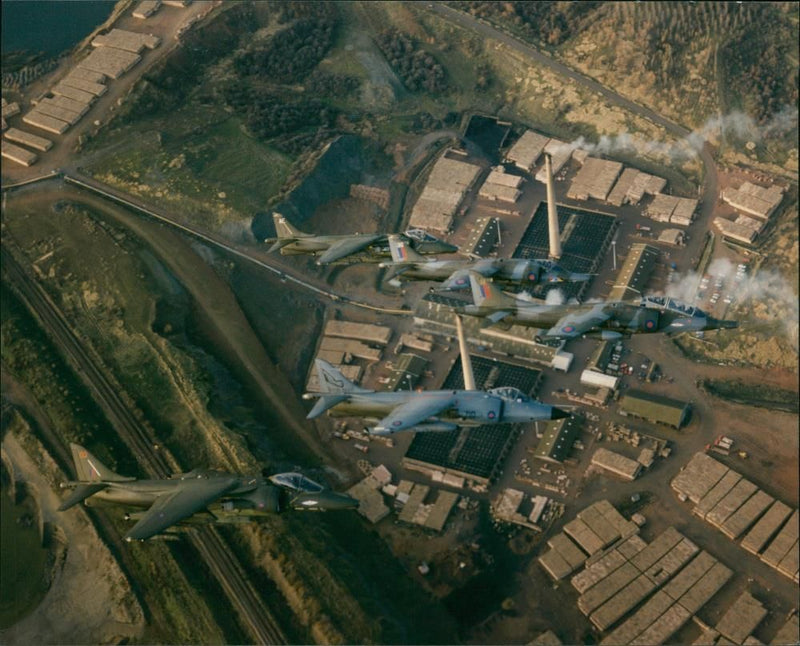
(719, 324)
(558, 413)
(335, 501)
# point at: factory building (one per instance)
(560, 153)
(654, 408)
(406, 372)
(672, 209)
(370, 499)
(527, 149)
(27, 139)
(500, 186)
(594, 179)
(632, 186)
(754, 200)
(484, 238)
(738, 508)
(599, 379)
(558, 438)
(594, 528)
(448, 183)
(635, 272)
(434, 314)
(17, 154)
(366, 332)
(616, 464)
(743, 229)
(146, 8)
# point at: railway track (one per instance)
(241, 594)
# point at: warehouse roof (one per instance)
(755, 200)
(527, 149)
(484, 236)
(556, 443)
(657, 408)
(594, 179)
(635, 272)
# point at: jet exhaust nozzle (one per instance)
(559, 413)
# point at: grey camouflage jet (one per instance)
(197, 497)
(408, 263)
(605, 320)
(426, 410)
(370, 247)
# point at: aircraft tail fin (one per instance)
(486, 293)
(284, 229)
(333, 382)
(89, 469)
(402, 250)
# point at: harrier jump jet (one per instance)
(605, 320)
(426, 410)
(408, 263)
(200, 496)
(371, 247)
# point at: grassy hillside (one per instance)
(690, 61)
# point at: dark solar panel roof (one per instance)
(581, 251)
(482, 447)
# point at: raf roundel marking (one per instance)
(532, 276)
(461, 281)
(491, 414)
(83, 454)
(650, 324)
(397, 422)
(568, 328)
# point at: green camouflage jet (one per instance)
(606, 320)
(200, 496)
(348, 248)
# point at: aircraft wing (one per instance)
(342, 248)
(414, 411)
(189, 498)
(495, 317)
(577, 323)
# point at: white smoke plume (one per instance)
(762, 298)
(736, 124)
(554, 297)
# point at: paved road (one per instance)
(216, 554)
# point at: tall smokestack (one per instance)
(552, 214)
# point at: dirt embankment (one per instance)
(90, 601)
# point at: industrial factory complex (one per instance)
(632, 590)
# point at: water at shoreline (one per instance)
(50, 26)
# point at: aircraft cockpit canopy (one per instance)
(666, 303)
(509, 393)
(420, 235)
(296, 481)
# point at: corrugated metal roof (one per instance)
(654, 407)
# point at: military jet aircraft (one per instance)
(371, 247)
(408, 263)
(427, 410)
(605, 320)
(200, 496)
